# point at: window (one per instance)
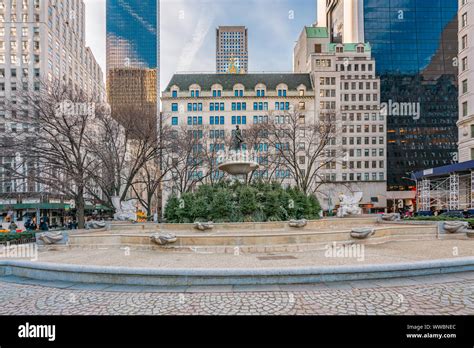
(216, 120)
(464, 86)
(464, 42)
(175, 94)
(174, 107)
(174, 121)
(464, 64)
(464, 20)
(464, 109)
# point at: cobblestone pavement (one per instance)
(433, 295)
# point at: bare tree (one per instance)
(186, 158)
(123, 149)
(56, 154)
(300, 146)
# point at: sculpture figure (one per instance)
(391, 217)
(298, 223)
(163, 238)
(456, 226)
(204, 226)
(125, 211)
(350, 204)
(50, 238)
(362, 233)
(237, 140)
(95, 225)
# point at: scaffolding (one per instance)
(454, 192)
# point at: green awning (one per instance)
(49, 206)
(45, 206)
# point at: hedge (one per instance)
(237, 202)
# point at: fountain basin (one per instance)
(238, 167)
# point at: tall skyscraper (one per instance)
(414, 43)
(133, 55)
(232, 54)
(466, 78)
(132, 33)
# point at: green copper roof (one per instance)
(349, 47)
(317, 33)
(228, 81)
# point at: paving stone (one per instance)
(359, 284)
(255, 288)
(448, 298)
(84, 286)
(304, 287)
(395, 282)
(210, 289)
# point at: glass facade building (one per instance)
(132, 33)
(415, 45)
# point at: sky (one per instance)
(188, 36)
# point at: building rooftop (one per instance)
(317, 33)
(349, 47)
(227, 81)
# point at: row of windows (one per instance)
(365, 177)
(366, 165)
(236, 106)
(240, 92)
(358, 117)
(358, 129)
(25, 86)
(220, 120)
(25, 72)
(367, 141)
(354, 67)
(353, 97)
(366, 152)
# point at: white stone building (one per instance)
(40, 41)
(347, 90)
(466, 80)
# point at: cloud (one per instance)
(193, 46)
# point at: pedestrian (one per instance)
(13, 227)
(28, 224)
(44, 224)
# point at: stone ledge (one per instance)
(216, 276)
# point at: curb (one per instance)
(206, 276)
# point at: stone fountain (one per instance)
(237, 162)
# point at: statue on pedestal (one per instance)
(237, 140)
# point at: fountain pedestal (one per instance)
(237, 163)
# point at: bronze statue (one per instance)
(237, 140)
